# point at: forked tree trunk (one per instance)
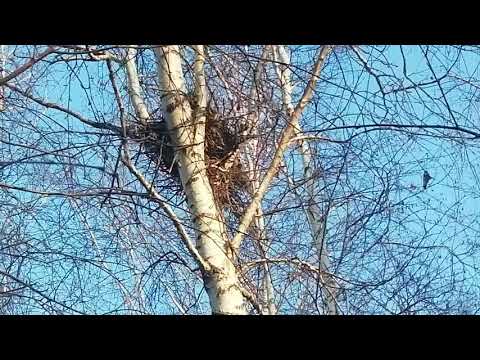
(188, 134)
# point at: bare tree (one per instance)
(239, 180)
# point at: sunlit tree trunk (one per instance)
(188, 134)
(134, 89)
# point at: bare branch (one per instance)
(287, 135)
(21, 69)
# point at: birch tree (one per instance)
(238, 180)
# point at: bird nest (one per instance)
(223, 166)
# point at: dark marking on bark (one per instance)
(170, 107)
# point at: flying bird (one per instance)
(426, 179)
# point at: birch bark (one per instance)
(188, 134)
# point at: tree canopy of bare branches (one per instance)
(266, 179)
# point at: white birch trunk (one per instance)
(316, 217)
(267, 284)
(317, 220)
(134, 89)
(188, 133)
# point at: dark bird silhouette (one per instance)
(426, 179)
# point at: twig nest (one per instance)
(224, 170)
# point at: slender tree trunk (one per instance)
(317, 219)
(134, 88)
(250, 152)
(188, 134)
